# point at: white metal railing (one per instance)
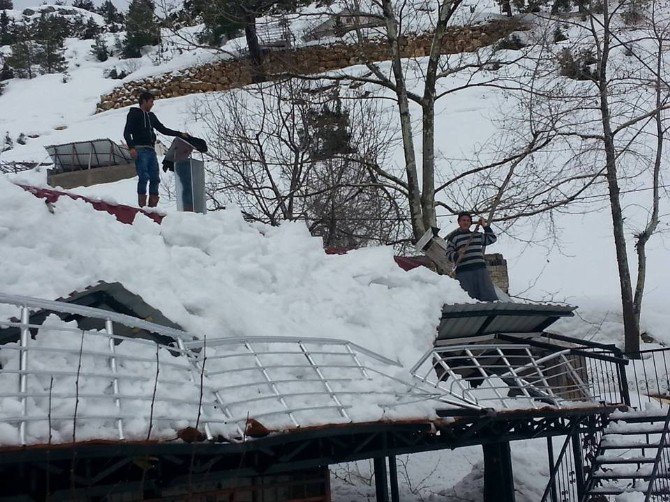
(59, 383)
(506, 375)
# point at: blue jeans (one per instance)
(477, 283)
(146, 165)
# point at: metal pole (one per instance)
(381, 486)
(115, 382)
(393, 479)
(552, 469)
(579, 465)
(23, 367)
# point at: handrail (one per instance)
(573, 350)
(659, 455)
(588, 343)
(651, 375)
(292, 376)
(71, 308)
(551, 486)
(189, 340)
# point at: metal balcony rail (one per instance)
(659, 482)
(59, 383)
(522, 373)
(649, 377)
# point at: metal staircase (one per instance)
(633, 457)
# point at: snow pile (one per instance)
(216, 276)
(74, 393)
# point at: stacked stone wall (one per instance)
(230, 74)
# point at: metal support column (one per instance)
(498, 475)
(393, 479)
(381, 484)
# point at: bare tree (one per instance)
(606, 110)
(298, 150)
(410, 78)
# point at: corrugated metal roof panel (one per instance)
(473, 319)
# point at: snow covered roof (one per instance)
(65, 383)
(112, 297)
(123, 213)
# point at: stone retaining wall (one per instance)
(230, 74)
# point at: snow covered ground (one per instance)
(213, 273)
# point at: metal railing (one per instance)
(574, 460)
(522, 372)
(649, 377)
(59, 383)
(568, 469)
(659, 480)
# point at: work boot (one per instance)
(153, 200)
(141, 200)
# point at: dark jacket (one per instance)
(140, 125)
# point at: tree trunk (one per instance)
(414, 193)
(428, 109)
(644, 236)
(630, 324)
(428, 190)
(631, 327)
(255, 52)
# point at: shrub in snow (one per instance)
(634, 12)
(115, 74)
(576, 67)
(559, 36)
(6, 72)
(510, 43)
(84, 4)
(99, 49)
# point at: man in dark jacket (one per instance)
(466, 250)
(141, 139)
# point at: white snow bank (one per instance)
(218, 276)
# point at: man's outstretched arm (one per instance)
(156, 124)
